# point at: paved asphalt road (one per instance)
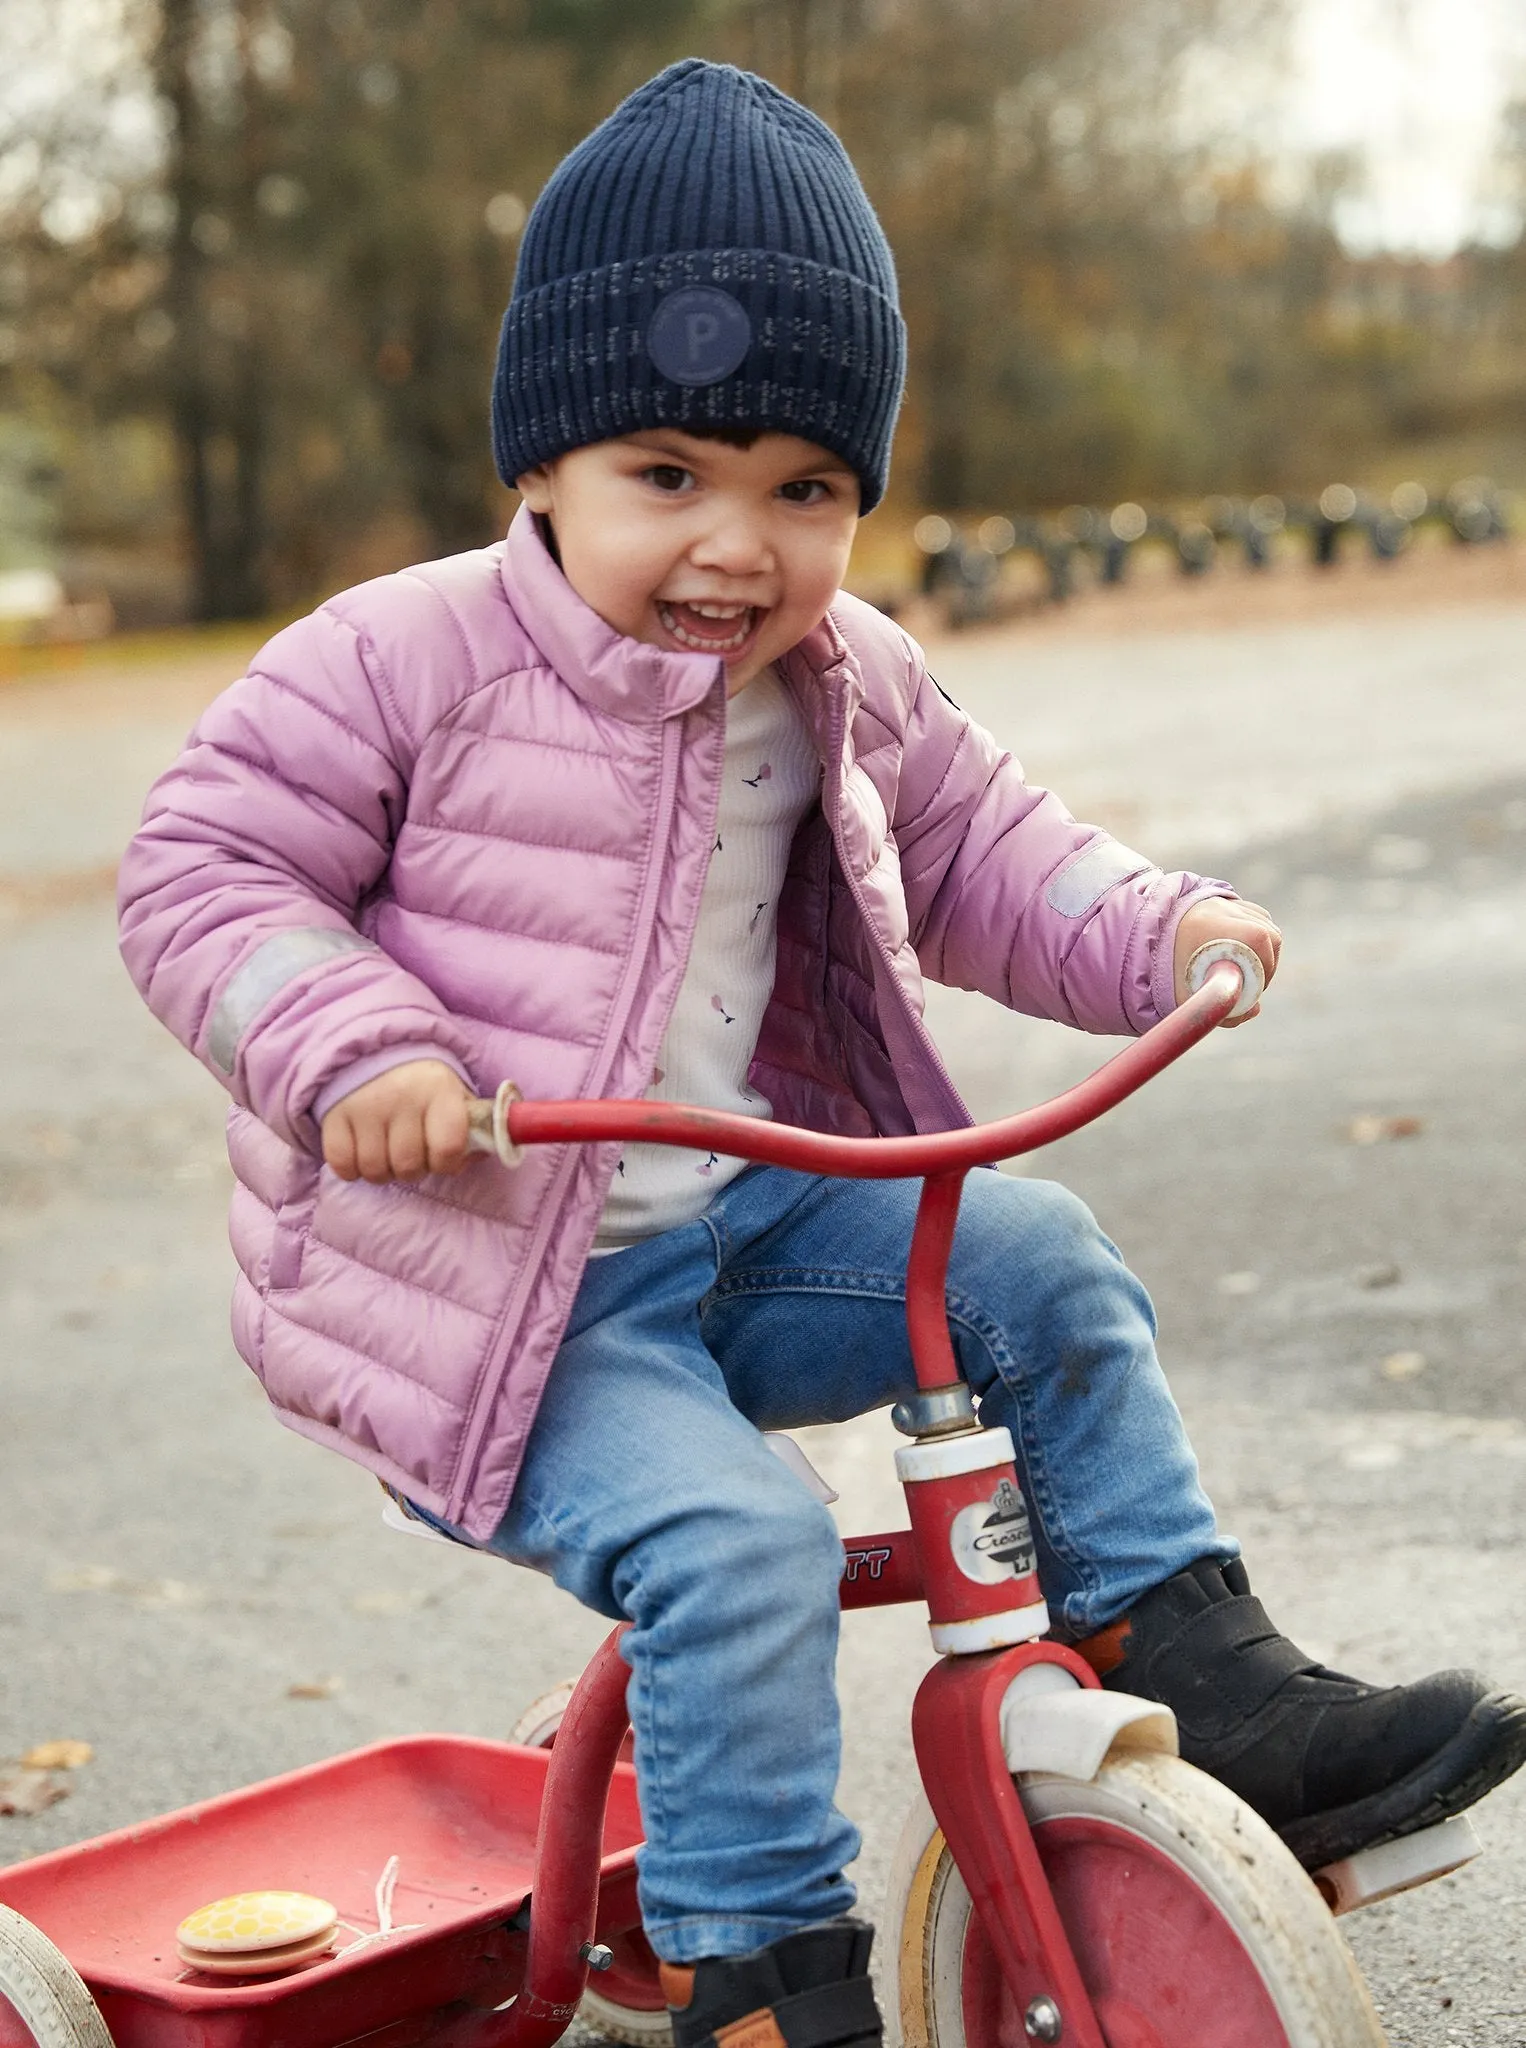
(173, 1563)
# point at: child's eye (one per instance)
(805, 491)
(668, 476)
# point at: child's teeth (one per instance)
(708, 643)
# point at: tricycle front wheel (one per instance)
(1189, 1920)
(43, 2000)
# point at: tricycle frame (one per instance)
(988, 1621)
(955, 1718)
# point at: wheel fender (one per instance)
(1051, 1722)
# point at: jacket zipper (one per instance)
(552, 1207)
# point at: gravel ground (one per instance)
(174, 1563)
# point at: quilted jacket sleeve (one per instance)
(240, 892)
(1008, 894)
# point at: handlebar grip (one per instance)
(487, 1124)
(1252, 973)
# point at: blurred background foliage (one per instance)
(256, 254)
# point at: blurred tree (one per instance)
(1055, 229)
(349, 181)
(219, 388)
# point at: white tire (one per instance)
(1236, 1948)
(631, 2024)
(540, 1720)
(635, 1968)
(44, 1989)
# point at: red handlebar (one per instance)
(770, 1144)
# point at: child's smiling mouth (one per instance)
(709, 628)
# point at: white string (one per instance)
(386, 1885)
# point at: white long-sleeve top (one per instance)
(770, 779)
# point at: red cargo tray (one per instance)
(459, 1815)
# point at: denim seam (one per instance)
(812, 1280)
(720, 1236)
(1019, 1383)
(655, 1748)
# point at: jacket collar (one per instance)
(642, 684)
(625, 678)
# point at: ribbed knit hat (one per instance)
(707, 256)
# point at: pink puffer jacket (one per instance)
(454, 813)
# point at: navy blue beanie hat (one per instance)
(706, 257)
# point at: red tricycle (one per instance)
(1064, 1876)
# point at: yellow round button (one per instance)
(251, 1921)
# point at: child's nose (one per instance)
(737, 545)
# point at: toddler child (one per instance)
(639, 802)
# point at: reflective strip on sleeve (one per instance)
(263, 975)
(1102, 866)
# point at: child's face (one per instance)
(699, 547)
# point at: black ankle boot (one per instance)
(1334, 1765)
(806, 1990)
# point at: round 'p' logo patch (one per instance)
(698, 335)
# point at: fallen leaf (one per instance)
(1404, 1365)
(30, 1792)
(1381, 1273)
(1378, 1130)
(314, 1689)
(125, 1276)
(90, 1578)
(62, 1755)
(54, 1142)
(101, 1578)
(391, 1600)
(167, 1593)
(1374, 1457)
(1239, 1283)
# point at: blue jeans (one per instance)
(648, 1492)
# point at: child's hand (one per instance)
(1227, 918)
(407, 1122)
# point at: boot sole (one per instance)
(1489, 1746)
